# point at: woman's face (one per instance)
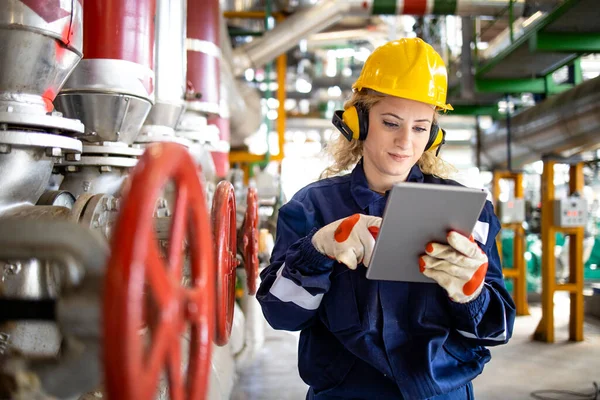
(398, 133)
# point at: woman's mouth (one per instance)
(398, 157)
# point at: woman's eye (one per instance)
(390, 124)
(419, 129)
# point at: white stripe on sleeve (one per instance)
(288, 291)
(480, 232)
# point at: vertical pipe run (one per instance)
(508, 136)
(112, 89)
(169, 68)
(510, 20)
(203, 55)
(466, 59)
(121, 30)
(220, 157)
(478, 143)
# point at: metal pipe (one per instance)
(287, 34)
(466, 59)
(240, 103)
(203, 55)
(564, 124)
(112, 89)
(121, 30)
(169, 68)
(508, 135)
(442, 7)
(337, 38)
(477, 142)
(82, 253)
(41, 44)
(328, 12)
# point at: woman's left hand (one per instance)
(459, 267)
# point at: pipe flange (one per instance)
(54, 122)
(107, 155)
(56, 145)
(98, 211)
(105, 163)
(113, 149)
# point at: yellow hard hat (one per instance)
(408, 68)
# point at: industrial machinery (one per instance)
(110, 272)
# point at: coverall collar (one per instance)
(360, 187)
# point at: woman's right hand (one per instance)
(349, 240)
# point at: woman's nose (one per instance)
(403, 139)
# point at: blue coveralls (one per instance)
(367, 339)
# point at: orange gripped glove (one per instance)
(348, 240)
(459, 267)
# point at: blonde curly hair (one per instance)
(346, 154)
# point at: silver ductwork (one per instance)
(287, 34)
(279, 5)
(564, 125)
(339, 38)
(239, 101)
(169, 69)
(326, 13)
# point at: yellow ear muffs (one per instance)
(437, 137)
(353, 123)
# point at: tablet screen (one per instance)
(416, 214)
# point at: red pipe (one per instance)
(202, 68)
(220, 159)
(121, 30)
(415, 7)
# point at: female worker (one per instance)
(368, 339)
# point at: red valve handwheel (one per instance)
(137, 271)
(225, 235)
(251, 240)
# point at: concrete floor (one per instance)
(516, 369)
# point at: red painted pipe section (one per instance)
(415, 7)
(121, 30)
(220, 159)
(202, 68)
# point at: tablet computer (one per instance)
(416, 214)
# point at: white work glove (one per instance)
(348, 240)
(458, 267)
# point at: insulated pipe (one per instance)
(287, 34)
(442, 7)
(240, 103)
(564, 124)
(112, 89)
(169, 68)
(328, 12)
(466, 59)
(203, 55)
(121, 30)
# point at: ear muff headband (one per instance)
(353, 123)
